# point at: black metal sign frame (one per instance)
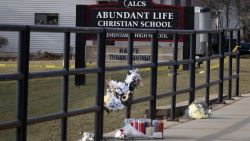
(132, 14)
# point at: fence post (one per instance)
(101, 52)
(221, 66)
(153, 81)
(208, 69)
(192, 66)
(22, 87)
(237, 66)
(65, 86)
(230, 66)
(174, 78)
(130, 63)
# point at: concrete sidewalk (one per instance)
(228, 123)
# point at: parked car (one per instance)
(244, 48)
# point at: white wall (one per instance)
(23, 12)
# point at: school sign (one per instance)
(133, 14)
(129, 14)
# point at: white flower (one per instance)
(118, 93)
(119, 134)
(87, 137)
(122, 88)
(129, 79)
(133, 77)
(112, 85)
(119, 88)
(113, 103)
(198, 111)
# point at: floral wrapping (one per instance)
(198, 111)
(87, 137)
(119, 94)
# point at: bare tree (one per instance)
(228, 6)
(238, 8)
(242, 13)
(212, 4)
(216, 6)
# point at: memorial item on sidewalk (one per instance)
(119, 94)
(141, 129)
(87, 137)
(198, 111)
(134, 129)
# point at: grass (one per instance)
(45, 98)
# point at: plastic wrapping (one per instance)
(87, 137)
(198, 110)
(119, 94)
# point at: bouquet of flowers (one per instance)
(198, 111)
(87, 137)
(119, 94)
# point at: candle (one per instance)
(160, 126)
(135, 124)
(155, 125)
(141, 127)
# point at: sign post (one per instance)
(80, 44)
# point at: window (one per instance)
(46, 18)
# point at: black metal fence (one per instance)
(23, 75)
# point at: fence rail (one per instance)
(23, 75)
